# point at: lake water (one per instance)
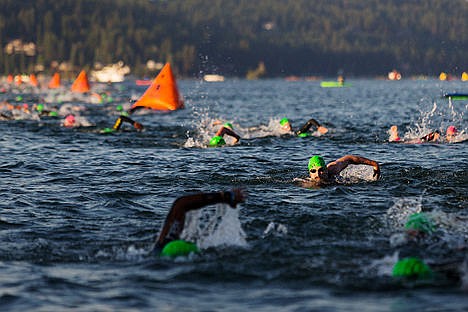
(80, 210)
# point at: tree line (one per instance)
(231, 37)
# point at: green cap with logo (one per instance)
(316, 162)
(420, 222)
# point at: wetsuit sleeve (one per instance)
(174, 224)
(120, 120)
(308, 125)
(430, 136)
(118, 123)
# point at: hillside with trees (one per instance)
(231, 37)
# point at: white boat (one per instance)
(213, 78)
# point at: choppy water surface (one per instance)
(80, 210)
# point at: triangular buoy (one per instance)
(55, 81)
(162, 94)
(33, 80)
(81, 84)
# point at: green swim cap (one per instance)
(19, 98)
(119, 108)
(217, 141)
(316, 161)
(178, 248)
(420, 222)
(229, 125)
(107, 130)
(53, 114)
(411, 267)
(40, 107)
(284, 121)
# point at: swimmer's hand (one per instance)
(235, 196)
(138, 126)
(376, 172)
(322, 129)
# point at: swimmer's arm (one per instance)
(122, 118)
(229, 132)
(309, 124)
(340, 164)
(196, 201)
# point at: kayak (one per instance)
(457, 96)
(334, 84)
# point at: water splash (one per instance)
(214, 226)
(398, 214)
(439, 117)
(275, 229)
(356, 174)
(384, 266)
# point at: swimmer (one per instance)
(415, 268)
(326, 174)
(123, 118)
(41, 111)
(302, 132)
(419, 225)
(393, 132)
(434, 136)
(227, 129)
(175, 219)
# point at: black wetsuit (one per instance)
(307, 126)
(120, 120)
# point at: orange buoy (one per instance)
(162, 94)
(55, 81)
(81, 83)
(10, 78)
(33, 80)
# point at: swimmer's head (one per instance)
(411, 267)
(228, 125)
(452, 131)
(419, 222)
(119, 108)
(285, 124)
(40, 107)
(217, 141)
(393, 132)
(69, 121)
(317, 168)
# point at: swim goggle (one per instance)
(319, 170)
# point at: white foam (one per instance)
(214, 226)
